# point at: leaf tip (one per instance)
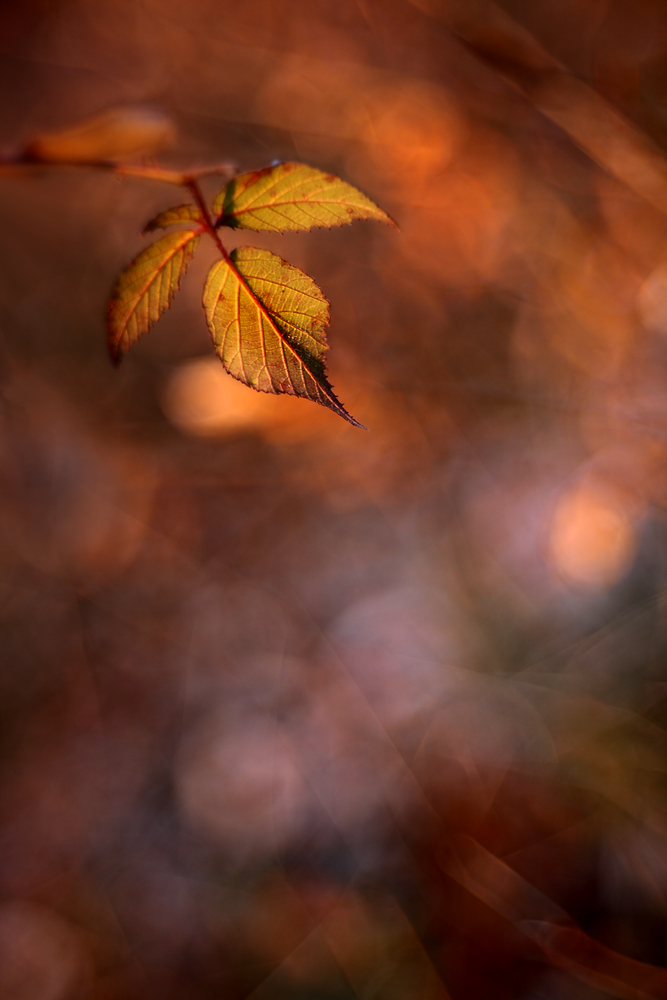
(113, 344)
(350, 419)
(115, 355)
(333, 403)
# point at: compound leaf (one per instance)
(268, 322)
(144, 290)
(291, 196)
(172, 217)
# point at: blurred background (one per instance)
(294, 710)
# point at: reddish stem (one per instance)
(192, 185)
(196, 192)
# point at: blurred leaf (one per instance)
(268, 322)
(172, 216)
(502, 889)
(117, 134)
(146, 287)
(291, 196)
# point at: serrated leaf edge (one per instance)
(221, 217)
(114, 338)
(326, 388)
(161, 221)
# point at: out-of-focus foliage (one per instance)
(291, 711)
(117, 134)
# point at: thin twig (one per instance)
(26, 163)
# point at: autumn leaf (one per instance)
(268, 322)
(116, 134)
(144, 290)
(172, 217)
(291, 196)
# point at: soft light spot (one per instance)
(201, 398)
(42, 956)
(652, 301)
(410, 132)
(240, 784)
(592, 539)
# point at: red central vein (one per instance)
(193, 186)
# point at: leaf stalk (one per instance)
(191, 183)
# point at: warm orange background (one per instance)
(292, 710)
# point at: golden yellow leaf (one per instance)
(172, 217)
(268, 322)
(291, 196)
(144, 290)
